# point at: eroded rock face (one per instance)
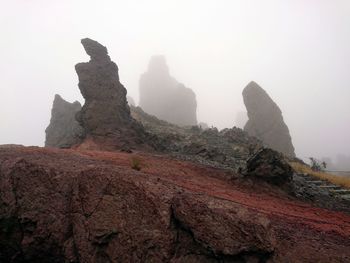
(270, 166)
(164, 97)
(266, 121)
(63, 130)
(66, 206)
(105, 116)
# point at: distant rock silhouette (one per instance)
(63, 130)
(265, 120)
(164, 97)
(105, 116)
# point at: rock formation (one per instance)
(92, 207)
(265, 120)
(63, 130)
(228, 148)
(164, 97)
(269, 166)
(105, 116)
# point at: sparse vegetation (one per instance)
(317, 165)
(135, 163)
(343, 181)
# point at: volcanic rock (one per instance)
(90, 206)
(164, 97)
(266, 121)
(229, 148)
(63, 131)
(105, 116)
(270, 166)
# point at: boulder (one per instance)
(266, 120)
(63, 130)
(164, 97)
(270, 166)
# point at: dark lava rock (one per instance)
(270, 166)
(266, 121)
(164, 97)
(63, 130)
(105, 116)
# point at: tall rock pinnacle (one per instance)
(164, 97)
(105, 116)
(266, 120)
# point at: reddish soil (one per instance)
(217, 215)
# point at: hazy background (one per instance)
(297, 50)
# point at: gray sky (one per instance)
(297, 50)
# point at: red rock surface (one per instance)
(90, 206)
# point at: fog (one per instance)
(298, 51)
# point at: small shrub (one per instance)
(135, 163)
(317, 166)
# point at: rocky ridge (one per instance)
(227, 149)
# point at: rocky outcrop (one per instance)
(105, 116)
(266, 121)
(228, 148)
(164, 97)
(66, 206)
(63, 131)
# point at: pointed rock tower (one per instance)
(266, 120)
(105, 116)
(164, 97)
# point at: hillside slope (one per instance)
(87, 206)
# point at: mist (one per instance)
(298, 51)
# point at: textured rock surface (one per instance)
(269, 165)
(164, 97)
(229, 148)
(63, 130)
(74, 206)
(266, 121)
(105, 116)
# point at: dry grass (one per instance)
(135, 163)
(343, 181)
